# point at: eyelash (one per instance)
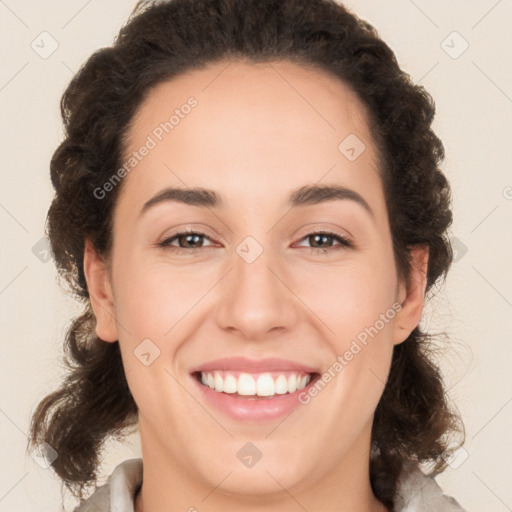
(165, 244)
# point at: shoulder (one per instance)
(119, 490)
(418, 492)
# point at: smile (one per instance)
(267, 384)
(248, 390)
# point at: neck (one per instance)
(168, 487)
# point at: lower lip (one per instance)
(252, 409)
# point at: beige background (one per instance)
(473, 93)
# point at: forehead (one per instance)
(250, 91)
(254, 127)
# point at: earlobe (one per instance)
(412, 295)
(100, 293)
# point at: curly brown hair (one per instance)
(413, 420)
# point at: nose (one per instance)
(257, 298)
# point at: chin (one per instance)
(257, 469)
(260, 482)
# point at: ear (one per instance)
(100, 293)
(411, 295)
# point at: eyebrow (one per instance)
(303, 196)
(315, 194)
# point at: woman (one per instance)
(249, 203)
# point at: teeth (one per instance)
(246, 385)
(230, 384)
(264, 384)
(219, 383)
(281, 385)
(292, 383)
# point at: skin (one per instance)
(258, 132)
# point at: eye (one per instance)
(322, 238)
(187, 240)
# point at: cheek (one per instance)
(152, 303)
(356, 306)
(351, 297)
(152, 297)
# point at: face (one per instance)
(270, 287)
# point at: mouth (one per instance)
(255, 386)
(249, 390)
(253, 393)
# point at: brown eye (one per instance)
(320, 241)
(187, 240)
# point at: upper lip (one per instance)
(253, 365)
